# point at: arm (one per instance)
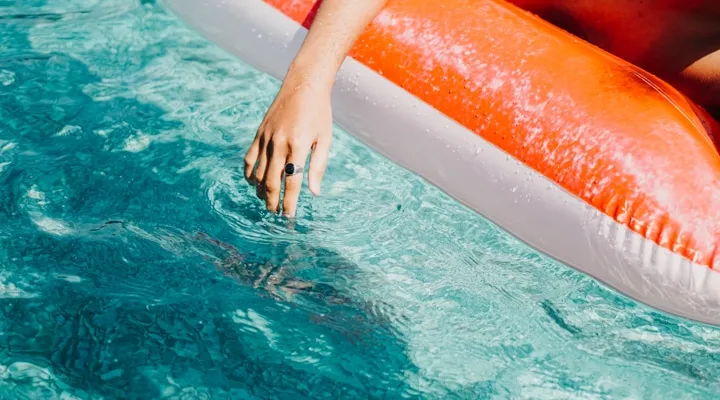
(300, 118)
(336, 27)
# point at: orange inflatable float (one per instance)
(586, 157)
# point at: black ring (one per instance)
(292, 169)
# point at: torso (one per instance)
(678, 40)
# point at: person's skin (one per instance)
(300, 119)
(678, 40)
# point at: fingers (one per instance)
(250, 160)
(265, 163)
(272, 177)
(265, 146)
(318, 164)
(293, 183)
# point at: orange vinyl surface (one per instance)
(606, 131)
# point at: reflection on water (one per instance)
(107, 291)
(106, 331)
(136, 263)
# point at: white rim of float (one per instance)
(468, 168)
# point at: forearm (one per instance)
(336, 27)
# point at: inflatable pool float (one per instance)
(583, 156)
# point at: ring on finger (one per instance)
(293, 169)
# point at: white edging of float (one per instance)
(468, 168)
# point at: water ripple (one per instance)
(135, 261)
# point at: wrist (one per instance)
(315, 74)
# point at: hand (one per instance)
(298, 121)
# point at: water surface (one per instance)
(136, 263)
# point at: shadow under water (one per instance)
(107, 289)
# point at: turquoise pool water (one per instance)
(136, 263)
